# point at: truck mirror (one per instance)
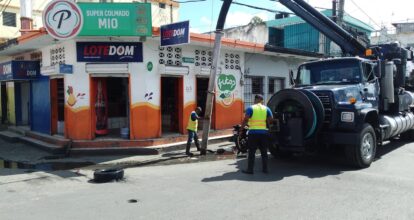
(291, 78)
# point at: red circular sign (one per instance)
(62, 19)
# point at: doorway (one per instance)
(111, 107)
(57, 95)
(22, 99)
(171, 104)
(202, 89)
(3, 103)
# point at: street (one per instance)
(305, 187)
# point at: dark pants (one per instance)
(255, 141)
(192, 135)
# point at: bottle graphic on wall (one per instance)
(101, 109)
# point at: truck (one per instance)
(357, 101)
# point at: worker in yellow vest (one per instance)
(192, 130)
(257, 117)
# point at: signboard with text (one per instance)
(19, 70)
(62, 19)
(116, 19)
(175, 34)
(109, 52)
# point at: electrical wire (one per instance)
(5, 7)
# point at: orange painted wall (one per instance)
(228, 116)
(78, 123)
(145, 121)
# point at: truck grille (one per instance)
(327, 104)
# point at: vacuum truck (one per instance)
(357, 101)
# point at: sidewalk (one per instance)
(23, 155)
(58, 145)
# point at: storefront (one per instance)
(16, 78)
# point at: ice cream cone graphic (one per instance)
(71, 99)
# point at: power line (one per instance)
(5, 7)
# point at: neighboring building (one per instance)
(10, 23)
(152, 97)
(404, 33)
(293, 32)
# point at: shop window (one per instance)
(203, 57)
(275, 84)
(9, 19)
(231, 61)
(252, 87)
(19, 58)
(37, 56)
(57, 56)
(170, 56)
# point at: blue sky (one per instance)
(203, 15)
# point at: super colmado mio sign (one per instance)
(116, 19)
(109, 52)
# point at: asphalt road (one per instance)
(306, 187)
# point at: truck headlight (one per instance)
(347, 116)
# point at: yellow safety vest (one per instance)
(258, 119)
(192, 125)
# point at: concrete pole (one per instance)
(212, 80)
(210, 94)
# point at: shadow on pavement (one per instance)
(311, 166)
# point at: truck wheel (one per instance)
(361, 155)
(280, 154)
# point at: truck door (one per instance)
(370, 85)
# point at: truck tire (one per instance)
(279, 154)
(361, 155)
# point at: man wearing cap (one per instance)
(192, 130)
(257, 117)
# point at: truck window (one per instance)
(368, 72)
(340, 71)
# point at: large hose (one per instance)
(303, 103)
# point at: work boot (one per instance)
(189, 154)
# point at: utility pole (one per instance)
(341, 9)
(212, 80)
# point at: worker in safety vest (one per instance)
(256, 117)
(192, 130)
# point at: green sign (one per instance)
(116, 19)
(150, 66)
(188, 60)
(226, 84)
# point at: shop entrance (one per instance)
(57, 95)
(202, 89)
(111, 106)
(22, 99)
(3, 103)
(171, 104)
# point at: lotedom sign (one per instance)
(19, 70)
(109, 52)
(116, 19)
(62, 19)
(175, 34)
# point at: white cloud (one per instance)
(205, 21)
(239, 18)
